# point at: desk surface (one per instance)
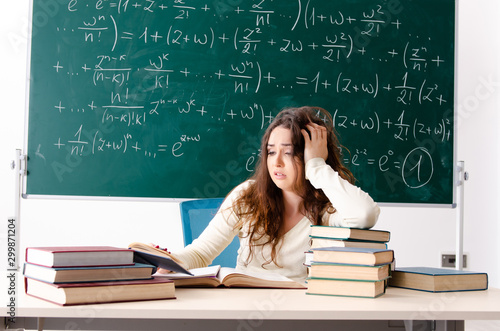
(223, 303)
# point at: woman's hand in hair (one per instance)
(315, 142)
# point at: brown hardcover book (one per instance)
(101, 292)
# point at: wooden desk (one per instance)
(258, 309)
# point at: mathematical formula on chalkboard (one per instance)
(168, 99)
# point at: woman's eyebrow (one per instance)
(286, 145)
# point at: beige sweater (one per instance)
(355, 208)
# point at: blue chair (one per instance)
(195, 215)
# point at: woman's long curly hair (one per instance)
(261, 206)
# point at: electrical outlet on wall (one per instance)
(448, 260)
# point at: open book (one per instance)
(148, 254)
(217, 276)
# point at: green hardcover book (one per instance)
(346, 288)
(349, 271)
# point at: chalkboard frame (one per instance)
(100, 197)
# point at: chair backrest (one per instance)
(195, 215)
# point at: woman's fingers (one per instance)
(315, 142)
(317, 131)
(163, 271)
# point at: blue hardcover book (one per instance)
(58, 275)
(438, 279)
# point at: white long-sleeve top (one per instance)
(354, 208)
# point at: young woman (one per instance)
(300, 180)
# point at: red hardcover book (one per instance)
(79, 256)
(101, 292)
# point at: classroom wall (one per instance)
(419, 235)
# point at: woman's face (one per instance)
(280, 159)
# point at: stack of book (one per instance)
(91, 274)
(332, 236)
(349, 271)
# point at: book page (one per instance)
(268, 276)
(210, 271)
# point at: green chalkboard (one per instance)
(169, 99)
